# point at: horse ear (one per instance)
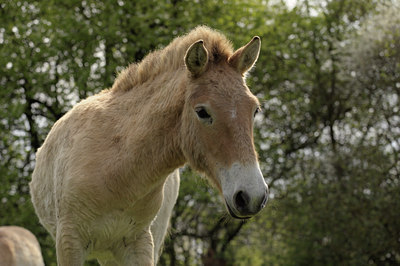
(244, 58)
(196, 58)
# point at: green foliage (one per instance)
(328, 138)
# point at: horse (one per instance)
(109, 164)
(18, 246)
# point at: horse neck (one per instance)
(153, 125)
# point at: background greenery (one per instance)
(328, 140)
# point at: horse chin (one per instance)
(234, 215)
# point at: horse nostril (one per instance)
(241, 200)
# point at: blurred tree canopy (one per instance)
(328, 78)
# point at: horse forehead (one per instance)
(223, 86)
(238, 98)
(228, 85)
(235, 105)
(227, 77)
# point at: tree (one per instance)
(332, 150)
(328, 138)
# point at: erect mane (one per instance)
(171, 57)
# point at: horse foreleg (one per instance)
(160, 225)
(69, 248)
(139, 251)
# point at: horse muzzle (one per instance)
(244, 190)
(243, 208)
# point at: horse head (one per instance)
(217, 124)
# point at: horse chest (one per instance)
(116, 228)
(121, 226)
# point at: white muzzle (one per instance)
(244, 189)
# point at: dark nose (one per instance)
(244, 204)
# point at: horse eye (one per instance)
(202, 113)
